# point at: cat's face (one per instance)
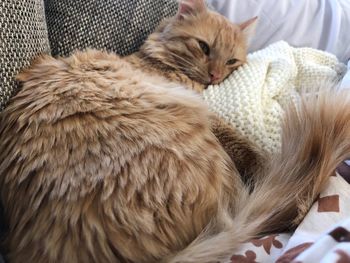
(202, 44)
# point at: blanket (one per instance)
(252, 99)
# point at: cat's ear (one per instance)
(190, 7)
(248, 28)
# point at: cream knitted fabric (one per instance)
(252, 98)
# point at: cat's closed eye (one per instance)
(205, 47)
(232, 61)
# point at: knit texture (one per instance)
(252, 99)
(23, 35)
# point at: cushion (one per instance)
(114, 25)
(23, 35)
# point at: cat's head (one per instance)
(202, 44)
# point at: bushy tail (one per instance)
(315, 139)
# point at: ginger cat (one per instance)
(103, 159)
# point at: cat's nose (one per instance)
(214, 76)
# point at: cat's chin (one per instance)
(207, 82)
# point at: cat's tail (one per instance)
(315, 139)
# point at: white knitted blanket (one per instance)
(252, 98)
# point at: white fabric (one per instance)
(252, 98)
(321, 24)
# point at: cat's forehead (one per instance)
(224, 38)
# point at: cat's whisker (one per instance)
(170, 63)
(189, 66)
(183, 64)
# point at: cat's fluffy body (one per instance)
(102, 161)
(113, 159)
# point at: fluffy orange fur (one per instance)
(103, 159)
(107, 156)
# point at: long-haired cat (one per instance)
(103, 159)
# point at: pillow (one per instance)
(114, 25)
(23, 35)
